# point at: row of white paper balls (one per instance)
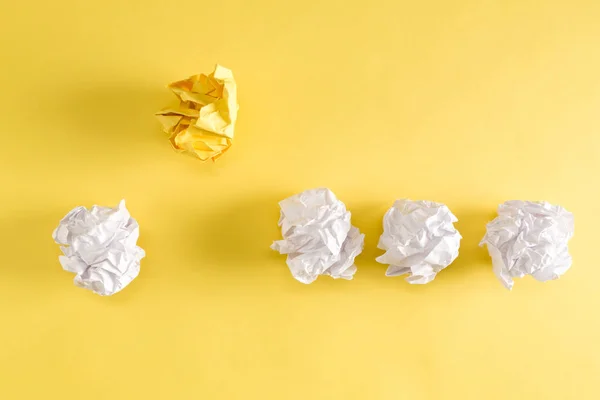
(419, 240)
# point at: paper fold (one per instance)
(419, 239)
(99, 247)
(318, 237)
(203, 122)
(529, 238)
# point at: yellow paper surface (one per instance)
(465, 102)
(202, 124)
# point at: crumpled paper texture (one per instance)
(318, 237)
(419, 239)
(202, 124)
(529, 238)
(99, 246)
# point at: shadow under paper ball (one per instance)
(233, 239)
(368, 217)
(34, 265)
(113, 122)
(471, 258)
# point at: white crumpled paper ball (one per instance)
(317, 236)
(419, 239)
(99, 246)
(529, 238)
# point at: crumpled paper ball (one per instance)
(99, 246)
(318, 236)
(419, 239)
(529, 238)
(202, 124)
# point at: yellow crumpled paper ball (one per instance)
(202, 124)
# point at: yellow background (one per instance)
(470, 103)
